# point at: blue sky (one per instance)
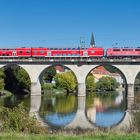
(59, 23)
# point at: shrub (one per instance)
(48, 86)
(66, 81)
(18, 119)
(90, 83)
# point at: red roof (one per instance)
(100, 70)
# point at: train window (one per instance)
(73, 48)
(127, 49)
(27, 51)
(20, 51)
(69, 48)
(41, 51)
(137, 49)
(92, 51)
(116, 50)
(35, 52)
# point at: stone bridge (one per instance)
(129, 70)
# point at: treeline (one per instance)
(105, 83)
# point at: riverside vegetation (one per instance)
(17, 124)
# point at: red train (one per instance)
(52, 52)
(70, 52)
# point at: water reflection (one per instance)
(14, 100)
(102, 109)
(105, 109)
(58, 111)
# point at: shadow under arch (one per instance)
(65, 68)
(124, 116)
(22, 86)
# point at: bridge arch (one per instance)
(64, 67)
(121, 73)
(119, 101)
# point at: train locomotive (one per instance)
(91, 52)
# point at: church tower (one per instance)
(92, 42)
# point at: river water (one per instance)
(101, 109)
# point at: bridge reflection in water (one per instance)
(102, 109)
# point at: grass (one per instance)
(103, 136)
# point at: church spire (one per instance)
(92, 42)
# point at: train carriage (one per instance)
(123, 53)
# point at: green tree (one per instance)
(17, 80)
(66, 81)
(23, 79)
(107, 83)
(2, 76)
(90, 83)
(49, 74)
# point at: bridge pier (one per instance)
(35, 89)
(81, 89)
(130, 96)
(80, 120)
(35, 103)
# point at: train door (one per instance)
(49, 54)
(85, 54)
(14, 53)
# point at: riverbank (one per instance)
(88, 136)
(5, 93)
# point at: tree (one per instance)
(66, 81)
(17, 80)
(107, 83)
(90, 83)
(49, 74)
(2, 76)
(23, 79)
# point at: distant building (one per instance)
(99, 72)
(60, 69)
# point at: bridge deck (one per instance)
(68, 60)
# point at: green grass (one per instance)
(20, 136)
